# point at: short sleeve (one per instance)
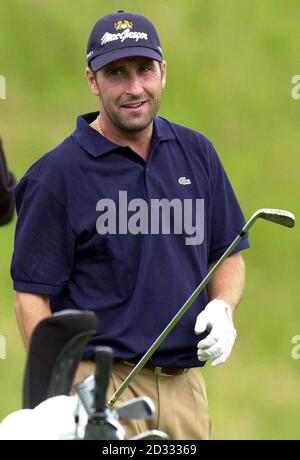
(227, 218)
(44, 241)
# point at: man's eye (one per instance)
(146, 68)
(116, 72)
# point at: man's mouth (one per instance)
(134, 105)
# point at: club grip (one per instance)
(103, 363)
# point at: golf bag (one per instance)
(55, 351)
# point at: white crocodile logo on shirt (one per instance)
(184, 181)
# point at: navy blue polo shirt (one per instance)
(137, 278)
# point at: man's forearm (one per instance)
(30, 310)
(228, 283)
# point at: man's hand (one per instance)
(217, 319)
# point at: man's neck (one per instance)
(139, 142)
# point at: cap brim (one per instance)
(106, 58)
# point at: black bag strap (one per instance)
(7, 183)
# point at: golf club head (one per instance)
(85, 391)
(278, 216)
(137, 408)
(151, 435)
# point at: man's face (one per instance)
(130, 92)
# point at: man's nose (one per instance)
(134, 87)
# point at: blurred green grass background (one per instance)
(230, 67)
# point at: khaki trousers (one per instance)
(181, 408)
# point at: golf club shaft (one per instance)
(178, 316)
(276, 216)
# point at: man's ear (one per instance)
(91, 79)
(163, 74)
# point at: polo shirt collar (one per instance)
(96, 145)
(162, 129)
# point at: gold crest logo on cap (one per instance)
(122, 25)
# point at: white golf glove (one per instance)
(216, 318)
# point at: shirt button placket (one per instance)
(147, 180)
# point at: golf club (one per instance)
(103, 422)
(277, 216)
(137, 408)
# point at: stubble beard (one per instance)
(136, 124)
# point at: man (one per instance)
(124, 218)
(7, 183)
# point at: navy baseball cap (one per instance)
(121, 35)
